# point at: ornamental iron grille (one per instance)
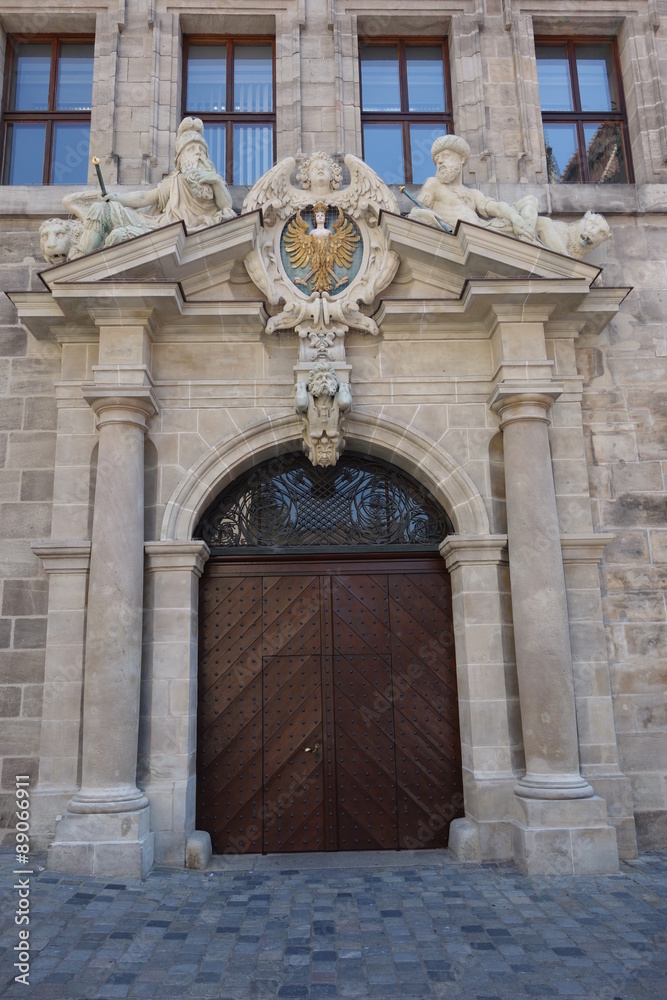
(287, 503)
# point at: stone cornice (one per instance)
(174, 556)
(63, 556)
(473, 550)
(585, 548)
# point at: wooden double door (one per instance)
(328, 715)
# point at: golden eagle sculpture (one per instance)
(321, 249)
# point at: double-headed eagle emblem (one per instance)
(320, 249)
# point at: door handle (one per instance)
(316, 750)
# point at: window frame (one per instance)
(51, 116)
(229, 117)
(579, 118)
(405, 117)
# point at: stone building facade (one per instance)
(524, 393)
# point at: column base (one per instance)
(126, 798)
(113, 844)
(554, 786)
(563, 837)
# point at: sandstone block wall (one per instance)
(622, 459)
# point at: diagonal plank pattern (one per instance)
(328, 714)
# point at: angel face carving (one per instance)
(319, 174)
(321, 259)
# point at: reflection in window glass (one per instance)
(24, 155)
(71, 146)
(206, 81)
(595, 74)
(253, 78)
(553, 75)
(560, 141)
(383, 151)
(30, 80)
(253, 152)
(75, 78)
(422, 138)
(380, 89)
(215, 136)
(426, 77)
(604, 152)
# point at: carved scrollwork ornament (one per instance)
(320, 259)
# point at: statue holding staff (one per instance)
(193, 193)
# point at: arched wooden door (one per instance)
(328, 716)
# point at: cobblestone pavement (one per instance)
(413, 927)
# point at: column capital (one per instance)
(122, 404)
(63, 556)
(473, 550)
(170, 556)
(524, 400)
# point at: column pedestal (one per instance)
(113, 844)
(563, 837)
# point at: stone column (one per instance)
(106, 827)
(560, 825)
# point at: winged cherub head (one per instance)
(320, 174)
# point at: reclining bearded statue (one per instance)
(444, 198)
(193, 193)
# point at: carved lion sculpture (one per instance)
(57, 237)
(573, 238)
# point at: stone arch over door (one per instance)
(402, 446)
(175, 563)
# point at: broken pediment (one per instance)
(198, 279)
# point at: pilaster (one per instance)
(66, 564)
(598, 747)
(168, 723)
(488, 696)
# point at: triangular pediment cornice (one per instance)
(170, 253)
(449, 259)
(454, 282)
